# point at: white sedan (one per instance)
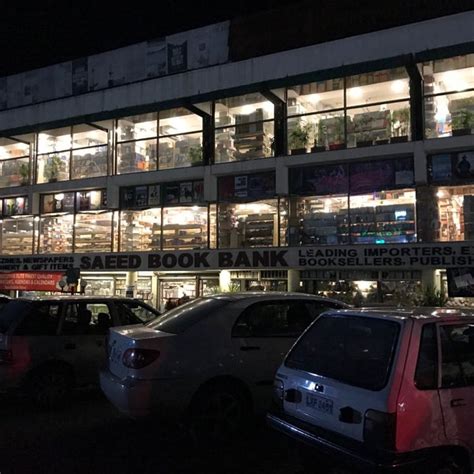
(210, 362)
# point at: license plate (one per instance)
(321, 404)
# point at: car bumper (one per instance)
(362, 459)
(141, 398)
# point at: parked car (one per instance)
(210, 361)
(382, 390)
(49, 345)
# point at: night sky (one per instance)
(53, 31)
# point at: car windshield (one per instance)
(354, 350)
(179, 319)
(11, 312)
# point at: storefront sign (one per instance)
(452, 167)
(356, 178)
(30, 281)
(405, 256)
(247, 186)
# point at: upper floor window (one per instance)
(244, 128)
(360, 110)
(15, 160)
(449, 96)
(180, 140)
(80, 151)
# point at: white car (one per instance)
(211, 360)
(382, 390)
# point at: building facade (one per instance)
(165, 169)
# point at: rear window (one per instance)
(179, 319)
(11, 312)
(356, 351)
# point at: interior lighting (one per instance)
(178, 124)
(59, 197)
(441, 194)
(454, 81)
(248, 109)
(398, 86)
(356, 92)
(314, 98)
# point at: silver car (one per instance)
(50, 345)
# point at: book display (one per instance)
(259, 230)
(390, 224)
(252, 137)
(140, 231)
(328, 221)
(93, 232)
(318, 226)
(56, 234)
(184, 228)
(17, 236)
(370, 126)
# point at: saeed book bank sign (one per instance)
(458, 254)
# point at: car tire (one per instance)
(51, 386)
(448, 465)
(218, 413)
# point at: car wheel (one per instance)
(50, 387)
(448, 465)
(218, 413)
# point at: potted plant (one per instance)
(52, 168)
(331, 130)
(299, 138)
(195, 155)
(462, 123)
(24, 171)
(364, 139)
(400, 124)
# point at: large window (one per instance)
(449, 96)
(17, 235)
(383, 217)
(456, 213)
(359, 203)
(244, 128)
(361, 110)
(140, 230)
(244, 225)
(73, 152)
(15, 160)
(185, 227)
(180, 142)
(136, 143)
(178, 133)
(75, 221)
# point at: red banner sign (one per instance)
(30, 281)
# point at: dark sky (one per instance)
(35, 35)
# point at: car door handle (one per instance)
(69, 346)
(249, 348)
(458, 402)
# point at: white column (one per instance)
(293, 280)
(224, 280)
(131, 284)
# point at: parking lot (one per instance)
(90, 436)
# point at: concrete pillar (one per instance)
(293, 280)
(155, 288)
(130, 284)
(224, 280)
(428, 278)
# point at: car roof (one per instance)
(73, 297)
(420, 313)
(268, 295)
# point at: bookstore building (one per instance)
(176, 169)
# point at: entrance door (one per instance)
(457, 381)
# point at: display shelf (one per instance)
(184, 236)
(259, 230)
